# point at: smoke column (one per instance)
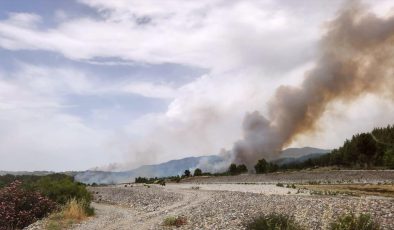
(356, 58)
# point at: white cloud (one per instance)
(216, 34)
(248, 48)
(148, 89)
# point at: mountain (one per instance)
(170, 168)
(177, 167)
(299, 152)
(290, 160)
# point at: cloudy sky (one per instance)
(89, 83)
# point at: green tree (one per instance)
(388, 158)
(242, 168)
(233, 169)
(197, 172)
(187, 173)
(261, 166)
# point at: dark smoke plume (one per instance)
(357, 57)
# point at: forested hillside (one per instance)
(364, 150)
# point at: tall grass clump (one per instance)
(273, 221)
(72, 212)
(355, 222)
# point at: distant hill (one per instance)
(297, 160)
(170, 168)
(299, 152)
(17, 173)
(177, 167)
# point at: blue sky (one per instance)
(88, 83)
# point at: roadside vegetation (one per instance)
(26, 199)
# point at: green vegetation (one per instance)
(187, 173)
(154, 180)
(60, 188)
(29, 198)
(175, 221)
(353, 222)
(197, 172)
(237, 169)
(362, 151)
(273, 222)
(19, 207)
(263, 166)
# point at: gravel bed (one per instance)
(138, 197)
(333, 176)
(231, 210)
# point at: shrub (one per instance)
(353, 222)
(187, 173)
(280, 184)
(19, 207)
(175, 221)
(62, 190)
(197, 172)
(273, 222)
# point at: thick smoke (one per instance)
(356, 58)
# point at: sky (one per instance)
(118, 84)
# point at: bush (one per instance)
(197, 172)
(175, 221)
(20, 208)
(63, 190)
(273, 222)
(353, 222)
(187, 173)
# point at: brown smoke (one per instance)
(357, 57)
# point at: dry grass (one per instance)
(386, 190)
(73, 212)
(175, 221)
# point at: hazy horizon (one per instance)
(89, 83)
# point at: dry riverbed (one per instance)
(223, 206)
(229, 202)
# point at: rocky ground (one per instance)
(228, 203)
(332, 176)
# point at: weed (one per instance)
(273, 222)
(353, 222)
(175, 221)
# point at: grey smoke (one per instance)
(356, 58)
